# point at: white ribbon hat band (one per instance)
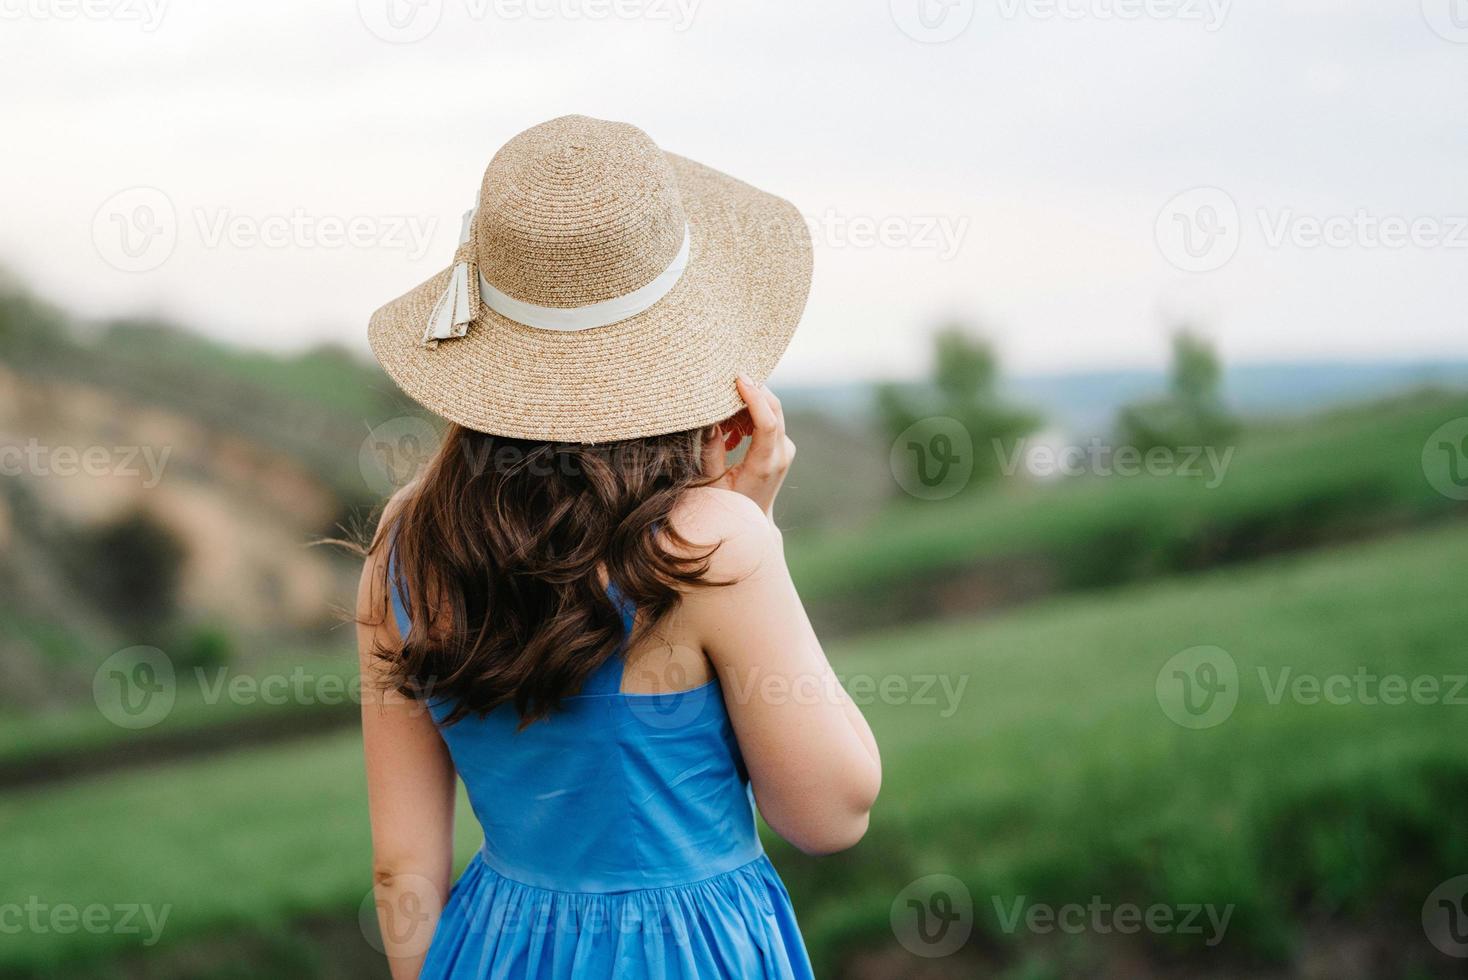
(455, 308)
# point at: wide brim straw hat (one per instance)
(603, 289)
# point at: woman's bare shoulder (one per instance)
(741, 534)
(372, 590)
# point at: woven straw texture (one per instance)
(576, 211)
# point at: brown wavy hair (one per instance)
(502, 552)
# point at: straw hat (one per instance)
(603, 289)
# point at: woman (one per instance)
(580, 608)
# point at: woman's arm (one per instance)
(410, 789)
(811, 755)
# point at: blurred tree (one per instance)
(204, 645)
(964, 368)
(1192, 413)
(965, 387)
(30, 331)
(130, 568)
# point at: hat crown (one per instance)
(576, 211)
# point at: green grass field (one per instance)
(1287, 486)
(1058, 777)
(261, 693)
(1296, 486)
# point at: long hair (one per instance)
(503, 552)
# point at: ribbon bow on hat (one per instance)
(459, 304)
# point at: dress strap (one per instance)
(607, 679)
(397, 591)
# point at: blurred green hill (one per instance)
(1086, 402)
(266, 454)
(1287, 486)
(214, 468)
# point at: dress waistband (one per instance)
(615, 877)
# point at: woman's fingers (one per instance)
(770, 451)
(761, 412)
(759, 475)
(735, 429)
(763, 457)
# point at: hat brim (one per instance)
(670, 368)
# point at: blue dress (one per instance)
(619, 842)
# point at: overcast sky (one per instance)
(1013, 162)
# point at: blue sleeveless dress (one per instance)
(619, 842)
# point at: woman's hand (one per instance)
(762, 470)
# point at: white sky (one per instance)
(1052, 143)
